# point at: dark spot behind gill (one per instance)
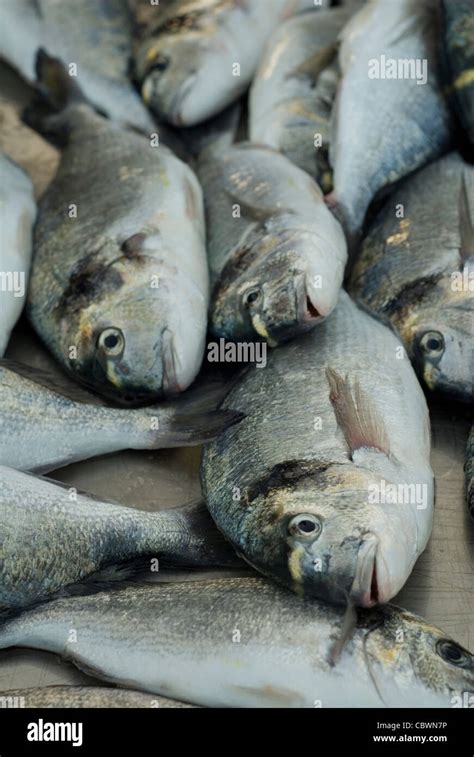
(411, 294)
(285, 475)
(89, 281)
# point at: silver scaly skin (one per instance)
(385, 128)
(87, 697)
(52, 537)
(417, 271)
(245, 642)
(41, 429)
(326, 484)
(17, 216)
(469, 469)
(119, 286)
(276, 268)
(294, 89)
(96, 35)
(186, 52)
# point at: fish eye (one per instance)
(453, 653)
(160, 63)
(252, 296)
(305, 525)
(432, 343)
(111, 341)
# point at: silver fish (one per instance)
(390, 116)
(326, 485)
(119, 285)
(17, 216)
(52, 537)
(416, 269)
(83, 697)
(294, 89)
(195, 57)
(244, 642)
(93, 35)
(69, 428)
(276, 254)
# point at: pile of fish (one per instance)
(329, 224)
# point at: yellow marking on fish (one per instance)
(295, 566)
(112, 376)
(127, 172)
(401, 236)
(465, 79)
(261, 330)
(151, 54)
(147, 91)
(269, 69)
(269, 692)
(429, 376)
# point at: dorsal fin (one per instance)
(356, 415)
(466, 223)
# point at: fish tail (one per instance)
(56, 93)
(179, 429)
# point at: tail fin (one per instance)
(57, 93)
(193, 418)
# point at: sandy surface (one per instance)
(441, 587)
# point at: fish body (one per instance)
(469, 469)
(276, 254)
(416, 270)
(52, 537)
(17, 216)
(94, 35)
(195, 57)
(119, 285)
(389, 61)
(326, 486)
(458, 28)
(83, 697)
(68, 429)
(294, 89)
(245, 642)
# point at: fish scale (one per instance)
(243, 642)
(291, 455)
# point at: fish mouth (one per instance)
(307, 309)
(170, 384)
(176, 107)
(365, 590)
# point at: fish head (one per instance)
(281, 288)
(185, 80)
(440, 336)
(321, 536)
(127, 338)
(407, 655)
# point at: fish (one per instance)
(469, 470)
(53, 537)
(70, 426)
(95, 36)
(326, 485)
(415, 270)
(368, 153)
(245, 642)
(293, 91)
(192, 58)
(17, 216)
(119, 287)
(83, 697)
(458, 47)
(276, 253)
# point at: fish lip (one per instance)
(365, 589)
(170, 384)
(307, 312)
(177, 101)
